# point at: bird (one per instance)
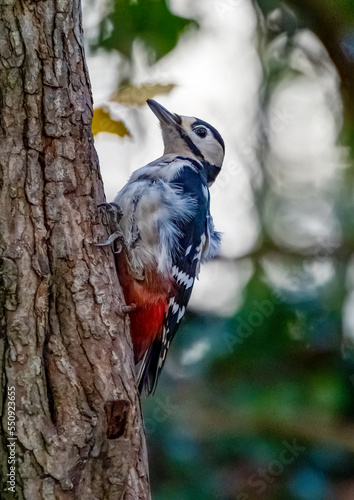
(163, 232)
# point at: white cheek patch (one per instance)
(210, 148)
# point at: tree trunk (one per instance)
(65, 348)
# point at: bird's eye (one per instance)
(201, 131)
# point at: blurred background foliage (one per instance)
(150, 21)
(259, 403)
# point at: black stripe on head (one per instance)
(190, 143)
(212, 129)
(178, 119)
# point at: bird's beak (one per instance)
(164, 116)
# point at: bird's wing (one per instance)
(186, 257)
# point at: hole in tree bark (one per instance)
(117, 416)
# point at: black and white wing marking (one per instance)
(186, 262)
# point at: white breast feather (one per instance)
(212, 242)
(150, 211)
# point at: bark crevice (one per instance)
(64, 344)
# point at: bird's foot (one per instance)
(127, 309)
(113, 214)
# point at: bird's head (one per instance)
(191, 138)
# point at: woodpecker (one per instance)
(165, 231)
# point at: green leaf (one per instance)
(149, 21)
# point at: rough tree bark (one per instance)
(64, 340)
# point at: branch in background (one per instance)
(341, 253)
(331, 25)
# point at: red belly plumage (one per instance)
(145, 326)
(150, 297)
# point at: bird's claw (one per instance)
(127, 309)
(113, 214)
(113, 237)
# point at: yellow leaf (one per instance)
(137, 95)
(102, 122)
